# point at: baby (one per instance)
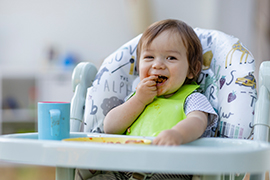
(165, 104)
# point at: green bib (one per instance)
(162, 113)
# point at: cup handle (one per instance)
(55, 122)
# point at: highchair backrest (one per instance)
(227, 80)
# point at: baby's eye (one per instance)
(148, 57)
(171, 58)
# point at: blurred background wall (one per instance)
(91, 30)
(41, 41)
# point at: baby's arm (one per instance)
(185, 131)
(122, 116)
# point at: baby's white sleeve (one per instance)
(198, 102)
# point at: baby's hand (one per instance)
(146, 90)
(168, 137)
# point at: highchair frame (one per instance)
(261, 121)
(210, 157)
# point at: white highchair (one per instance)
(227, 80)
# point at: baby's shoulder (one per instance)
(196, 96)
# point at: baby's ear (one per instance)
(190, 75)
(196, 71)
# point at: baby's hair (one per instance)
(188, 36)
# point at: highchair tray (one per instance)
(203, 156)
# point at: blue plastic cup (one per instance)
(53, 120)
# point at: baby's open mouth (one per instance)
(161, 79)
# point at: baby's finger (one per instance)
(156, 141)
(153, 88)
(151, 83)
(151, 78)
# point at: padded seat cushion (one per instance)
(227, 80)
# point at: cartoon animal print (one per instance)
(207, 59)
(98, 76)
(239, 47)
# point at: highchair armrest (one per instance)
(261, 119)
(83, 76)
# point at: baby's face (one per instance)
(166, 58)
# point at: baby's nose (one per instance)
(158, 64)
